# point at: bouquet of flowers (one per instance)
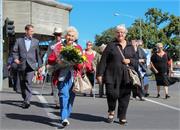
(73, 55)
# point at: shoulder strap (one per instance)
(121, 52)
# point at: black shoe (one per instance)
(65, 123)
(134, 96)
(25, 105)
(52, 93)
(158, 96)
(100, 96)
(123, 122)
(56, 107)
(167, 96)
(141, 99)
(110, 118)
(146, 95)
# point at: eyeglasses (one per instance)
(120, 32)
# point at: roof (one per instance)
(52, 3)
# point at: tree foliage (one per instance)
(157, 27)
(106, 37)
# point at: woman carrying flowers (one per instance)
(69, 60)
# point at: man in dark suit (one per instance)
(26, 56)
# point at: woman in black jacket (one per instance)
(113, 70)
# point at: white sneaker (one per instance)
(65, 122)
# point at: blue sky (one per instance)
(92, 17)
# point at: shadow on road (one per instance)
(34, 118)
(85, 117)
(12, 102)
(19, 103)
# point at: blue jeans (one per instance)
(66, 97)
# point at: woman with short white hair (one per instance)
(65, 76)
(113, 69)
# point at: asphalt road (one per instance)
(90, 113)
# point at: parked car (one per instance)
(176, 73)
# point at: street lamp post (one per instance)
(1, 45)
(133, 17)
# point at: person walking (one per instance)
(88, 65)
(144, 67)
(159, 62)
(141, 57)
(96, 62)
(54, 46)
(26, 56)
(113, 69)
(65, 76)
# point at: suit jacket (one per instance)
(142, 55)
(30, 57)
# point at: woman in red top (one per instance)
(90, 55)
(65, 76)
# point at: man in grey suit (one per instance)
(26, 56)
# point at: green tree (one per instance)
(157, 27)
(106, 37)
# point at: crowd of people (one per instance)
(108, 67)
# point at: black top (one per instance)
(111, 67)
(160, 63)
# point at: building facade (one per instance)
(44, 15)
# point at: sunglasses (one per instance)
(89, 44)
(57, 34)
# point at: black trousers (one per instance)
(101, 89)
(137, 91)
(123, 101)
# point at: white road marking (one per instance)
(44, 103)
(53, 116)
(165, 105)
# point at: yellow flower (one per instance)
(84, 58)
(70, 53)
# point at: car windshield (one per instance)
(176, 69)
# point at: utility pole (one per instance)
(1, 45)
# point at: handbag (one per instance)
(52, 58)
(132, 73)
(82, 84)
(134, 77)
